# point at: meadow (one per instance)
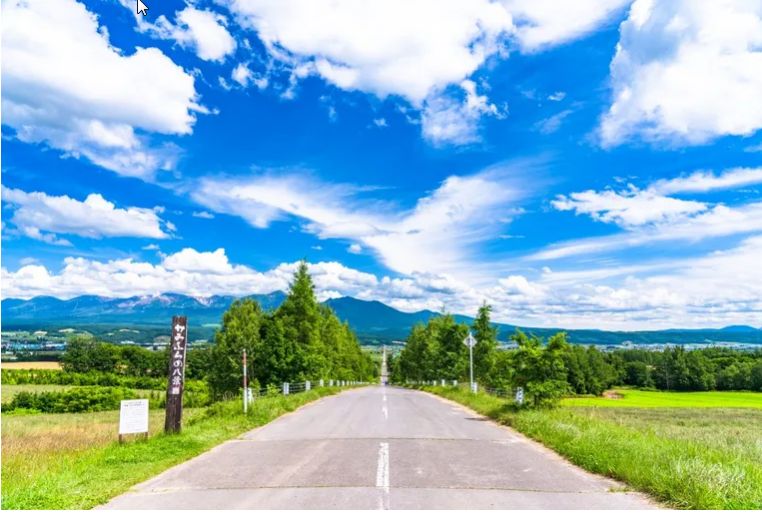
(73, 461)
(686, 450)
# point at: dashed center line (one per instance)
(382, 475)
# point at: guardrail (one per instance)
(515, 394)
(290, 388)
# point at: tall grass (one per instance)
(88, 467)
(688, 458)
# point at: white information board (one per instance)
(133, 417)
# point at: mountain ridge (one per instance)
(370, 319)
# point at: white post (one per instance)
(285, 388)
(307, 386)
(471, 364)
(245, 385)
(321, 383)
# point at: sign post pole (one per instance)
(245, 385)
(174, 412)
(470, 341)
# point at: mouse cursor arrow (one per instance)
(142, 8)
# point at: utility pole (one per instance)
(470, 341)
(245, 385)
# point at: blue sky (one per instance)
(585, 164)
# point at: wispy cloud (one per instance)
(450, 223)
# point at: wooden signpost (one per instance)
(177, 349)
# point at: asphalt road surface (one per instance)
(379, 447)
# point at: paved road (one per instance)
(379, 447)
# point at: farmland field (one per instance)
(684, 452)
(31, 365)
(628, 398)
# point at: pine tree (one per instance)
(485, 349)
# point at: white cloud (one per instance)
(629, 208)
(557, 96)
(712, 290)
(203, 30)
(355, 249)
(66, 86)
(699, 182)
(448, 120)
(41, 216)
(416, 50)
(686, 71)
(203, 214)
(190, 260)
(449, 223)
(552, 123)
(542, 23)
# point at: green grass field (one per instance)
(687, 457)
(654, 399)
(72, 461)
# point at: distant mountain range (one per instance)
(372, 320)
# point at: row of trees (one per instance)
(85, 354)
(301, 340)
(549, 370)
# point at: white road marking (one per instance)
(382, 475)
(386, 413)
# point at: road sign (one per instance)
(133, 417)
(176, 383)
(470, 341)
(519, 395)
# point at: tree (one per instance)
(485, 350)
(240, 330)
(301, 322)
(541, 370)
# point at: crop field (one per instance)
(684, 452)
(31, 365)
(628, 398)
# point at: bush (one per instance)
(78, 400)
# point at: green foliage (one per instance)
(78, 400)
(433, 351)
(485, 350)
(689, 458)
(299, 341)
(89, 477)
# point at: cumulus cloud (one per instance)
(203, 30)
(449, 223)
(416, 50)
(41, 216)
(716, 289)
(65, 85)
(543, 23)
(686, 72)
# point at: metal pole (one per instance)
(245, 384)
(471, 363)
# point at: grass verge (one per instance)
(688, 458)
(65, 477)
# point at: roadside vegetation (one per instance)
(692, 458)
(73, 461)
(550, 370)
(59, 427)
